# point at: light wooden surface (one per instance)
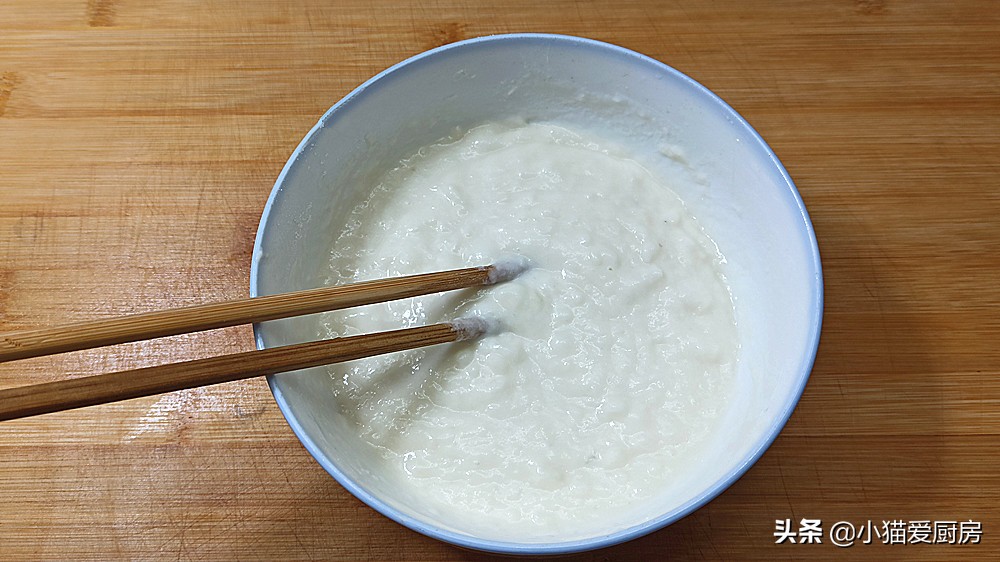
(139, 141)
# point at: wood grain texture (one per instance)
(139, 141)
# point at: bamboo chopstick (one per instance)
(97, 333)
(50, 397)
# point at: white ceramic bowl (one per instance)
(746, 202)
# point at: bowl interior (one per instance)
(741, 195)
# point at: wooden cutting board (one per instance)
(139, 141)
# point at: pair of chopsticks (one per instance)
(60, 395)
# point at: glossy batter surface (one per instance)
(617, 349)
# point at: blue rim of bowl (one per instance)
(622, 535)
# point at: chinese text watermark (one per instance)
(845, 534)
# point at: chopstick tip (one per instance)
(506, 269)
(472, 327)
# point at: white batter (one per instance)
(617, 349)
